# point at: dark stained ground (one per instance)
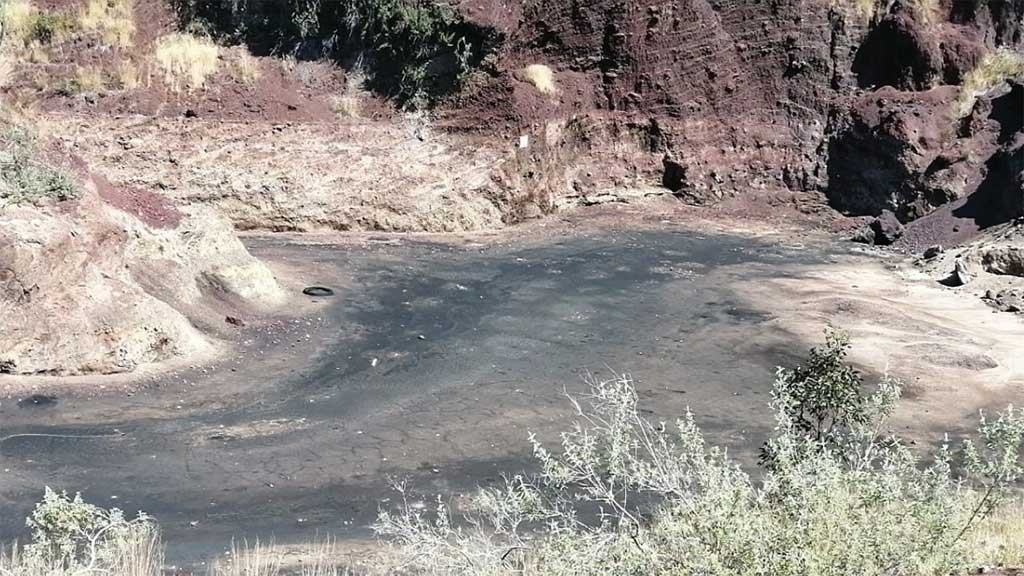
(431, 363)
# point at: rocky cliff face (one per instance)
(794, 94)
(739, 92)
(715, 98)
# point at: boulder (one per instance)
(1004, 260)
(892, 143)
(1008, 300)
(887, 229)
(961, 274)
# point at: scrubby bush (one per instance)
(418, 50)
(24, 178)
(71, 537)
(628, 496)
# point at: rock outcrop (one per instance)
(115, 279)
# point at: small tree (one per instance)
(625, 495)
(72, 537)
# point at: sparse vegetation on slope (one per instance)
(24, 177)
(419, 49)
(112, 20)
(30, 32)
(630, 496)
(995, 68)
(186, 60)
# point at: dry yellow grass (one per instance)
(542, 78)
(111, 19)
(18, 17)
(90, 79)
(1002, 535)
(7, 67)
(995, 68)
(347, 106)
(129, 77)
(186, 60)
(928, 12)
(246, 66)
(321, 557)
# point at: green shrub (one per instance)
(23, 178)
(71, 537)
(629, 496)
(419, 50)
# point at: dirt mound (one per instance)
(115, 279)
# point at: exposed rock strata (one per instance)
(87, 287)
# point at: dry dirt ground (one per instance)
(439, 352)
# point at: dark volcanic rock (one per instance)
(962, 49)
(887, 229)
(1005, 181)
(674, 177)
(892, 143)
(901, 52)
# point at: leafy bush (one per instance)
(23, 178)
(419, 49)
(629, 496)
(72, 537)
(49, 28)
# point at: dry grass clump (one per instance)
(928, 12)
(30, 32)
(347, 106)
(1001, 536)
(542, 78)
(18, 17)
(320, 559)
(994, 69)
(111, 19)
(129, 77)
(246, 66)
(186, 60)
(90, 79)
